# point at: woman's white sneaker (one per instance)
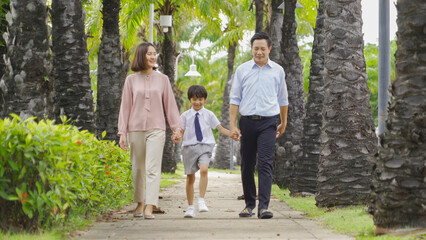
(202, 207)
(189, 213)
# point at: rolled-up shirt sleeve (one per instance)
(282, 91)
(236, 91)
(125, 108)
(172, 112)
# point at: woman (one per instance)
(147, 94)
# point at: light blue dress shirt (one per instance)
(259, 90)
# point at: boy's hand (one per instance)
(177, 135)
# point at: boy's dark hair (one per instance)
(261, 35)
(139, 62)
(197, 91)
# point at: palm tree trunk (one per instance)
(73, 96)
(112, 70)
(4, 8)
(288, 145)
(168, 51)
(259, 14)
(305, 173)
(275, 32)
(223, 151)
(348, 140)
(27, 86)
(399, 190)
(268, 15)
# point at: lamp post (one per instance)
(384, 63)
(165, 22)
(192, 68)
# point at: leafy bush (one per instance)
(49, 171)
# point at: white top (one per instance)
(208, 121)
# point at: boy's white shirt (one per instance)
(208, 121)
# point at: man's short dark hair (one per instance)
(197, 91)
(261, 35)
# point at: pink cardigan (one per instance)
(144, 96)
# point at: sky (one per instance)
(370, 17)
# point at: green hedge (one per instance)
(49, 172)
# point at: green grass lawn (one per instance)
(25, 236)
(353, 221)
(169, 179)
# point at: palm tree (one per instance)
(4, 8)
(112, 70)
(259, 4)
(222, 156)
(288, 146)
(26, 83)
(168, 55)
(398, 183)
(306, 167)
(73, 96)
(275, 26)
(237, 19)
(348, 140)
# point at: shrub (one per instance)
(49, 171)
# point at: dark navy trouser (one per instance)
(258, 139)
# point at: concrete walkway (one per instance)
(221, 222)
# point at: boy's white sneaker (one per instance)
(189, 213)
(202, 207)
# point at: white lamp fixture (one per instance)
(165, 22)
(193, 70)
(298, 5)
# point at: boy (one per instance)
(198, 142)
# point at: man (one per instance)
(259, 94)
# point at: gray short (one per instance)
(194, 155)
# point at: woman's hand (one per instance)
(177, 135)
(122, 142)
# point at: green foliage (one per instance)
(50, 172)
(305, 52)
(306, 18)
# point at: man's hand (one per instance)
(122, 142)
(280, 130)
(235, 133)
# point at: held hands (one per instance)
(235, 133)
(177, 136)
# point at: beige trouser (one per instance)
(146, 153)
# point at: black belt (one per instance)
(258, 117)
